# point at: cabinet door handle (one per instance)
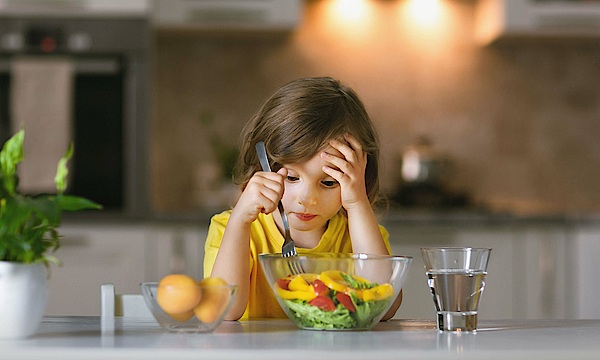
(547, 268)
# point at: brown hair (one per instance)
(298, 121)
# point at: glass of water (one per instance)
(456, 278)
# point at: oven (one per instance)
(107, 110)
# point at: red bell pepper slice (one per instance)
(346, 301)
(323, 302)
(283, 283)
(320, 288)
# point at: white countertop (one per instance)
(137, 338)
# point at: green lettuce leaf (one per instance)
(367, 311)
(310, 316)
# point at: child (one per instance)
(325, 152)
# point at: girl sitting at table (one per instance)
(325, 155)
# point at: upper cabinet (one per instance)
(497, 19)
(113, 9)
(227, 14)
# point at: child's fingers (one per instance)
(258, 198)
(342, 148)
(336, 174)
(340, 163)
(269, 200)
(283, 172)
(353, 143)
(266, 184)
(349, 154)
(271, 179)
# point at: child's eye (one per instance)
(329, 183)
(292, 178)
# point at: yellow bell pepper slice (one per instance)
(299, 284)
(382, 291)
(367, 295)
(379, 292)
(333, 280)
(309, 277)
(292, 295)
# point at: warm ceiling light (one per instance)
(424, 12)
(348, 20)
(350, 10)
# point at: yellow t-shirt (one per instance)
(265, 237)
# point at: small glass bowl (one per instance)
(389, 271)
(212, 313)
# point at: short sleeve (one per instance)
(216, 230)
(386, 239)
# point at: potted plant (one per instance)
(28, 233)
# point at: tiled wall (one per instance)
(520, 121)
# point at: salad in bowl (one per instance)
(336, 291)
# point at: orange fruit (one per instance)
(214, 300)
(178, 294)
(182, 317)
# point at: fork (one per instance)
(288, 249)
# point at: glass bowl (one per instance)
(336, 291)
(211, 304)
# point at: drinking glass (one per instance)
(456, 278)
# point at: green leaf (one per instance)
(28, 225)
(61, 172)
(10, 156)
(12, 153)
(45, 208)
(75, 203)
(52, 259)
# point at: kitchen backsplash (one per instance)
(520, 121)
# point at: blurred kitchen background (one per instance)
(488, 113)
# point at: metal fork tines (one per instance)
(288, 250)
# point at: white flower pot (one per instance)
(23, 298)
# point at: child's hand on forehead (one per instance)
(348, 169)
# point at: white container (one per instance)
(23, 298)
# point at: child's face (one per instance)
(311, 197)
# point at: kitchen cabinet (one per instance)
(93, 255)
(227, 15)
(496, 303)
(585, 279)
(537, 270)
(536, 19)
(542, 265)
(174, 249)
(122, 254)
(78, 8)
